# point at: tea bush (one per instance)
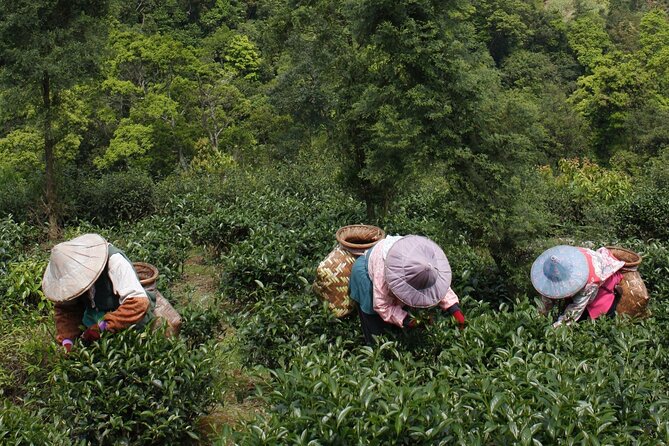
(22, 287)
(644, 215)
(278, 323)
(21, 426)
(508, 378)
(199, 325)
(114, 197)
(133, 388)
(290, 236)
(26, 352)
(14, 237)
(158, 240)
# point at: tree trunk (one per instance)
(50, 162)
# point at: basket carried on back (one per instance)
(634, 299)
(356, 239)
(147, 274)
(164, 311)
(334, 272)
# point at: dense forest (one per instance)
(226, 141)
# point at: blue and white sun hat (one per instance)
(560, 272)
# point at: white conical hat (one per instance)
(74, 266)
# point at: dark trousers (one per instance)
(373, 325)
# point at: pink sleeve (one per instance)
(449, 300)
(384, 303)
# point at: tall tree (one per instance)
(47, 47)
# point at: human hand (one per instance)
(67, 345)
(410, 322)
(93, 332)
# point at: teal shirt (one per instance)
(360, 287)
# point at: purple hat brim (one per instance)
(578, 269)
(400, 255)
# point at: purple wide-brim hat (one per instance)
(560, 272)
(417, 271)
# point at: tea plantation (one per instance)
(260, 360)
(226, 141)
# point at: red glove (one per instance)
(460, 318)
(93, 332)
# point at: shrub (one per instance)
(18, 195)
(584, 193)
(508, 378)
(199, 325)
(22, 287)
(13, 238)
(158, 240)
(644, 215)
(133, 388)
(289, 236)
(114, 197)
(272, 329)
(19, 426)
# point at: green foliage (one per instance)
(644, 215)
(242, 57)
(116, 197)
(13, 237)
(133, 388)
(274, 326)
(282, 246)
(130, 145)
(19, 425)
(158, 240)
(200, 325)
(507, 378)
(589, 40)
(22, 287)
(18, 194)
(581, 192)
(26, 354)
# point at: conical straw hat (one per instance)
(74, 266)
(560, 272)
(417, 271)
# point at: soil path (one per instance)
(199, 285)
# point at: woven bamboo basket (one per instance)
(358, 238)
(631, 258)
(163, 311)
(147, 274)
(634, 299)
(334, 272)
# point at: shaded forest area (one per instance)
(247, 132)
